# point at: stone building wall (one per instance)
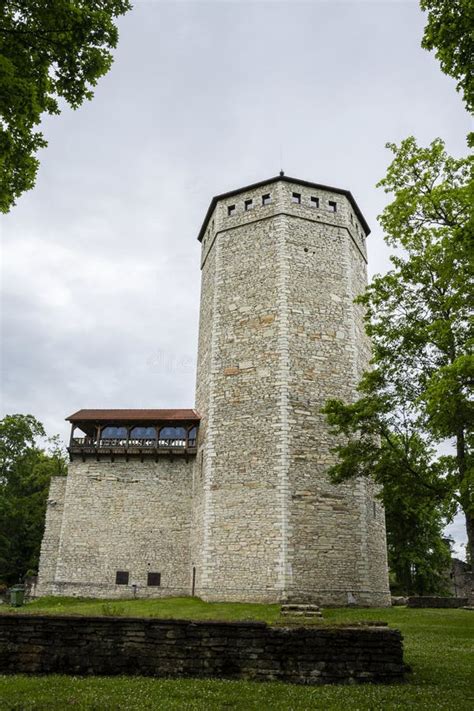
(237, 393)
(52, 535)
(284, 336)
(460, 579)
(201, 486)
(177, 648)
(121, 516)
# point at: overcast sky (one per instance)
(100, 263)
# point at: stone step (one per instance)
(300, 610)
(287, 607)
(302, 613)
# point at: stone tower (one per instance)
(231, 500)
(282, 261)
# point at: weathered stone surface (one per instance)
(108, 516)
(175, 648)
(398, 600)
(295, 610)
(277, 314)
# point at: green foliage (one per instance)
(418, 554)
(380, 441)
(25, 473)
(418, 394)
(48, 51)
(449, 31)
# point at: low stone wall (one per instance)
(176, 648)
(425, 601)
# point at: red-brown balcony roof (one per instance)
(185, 415)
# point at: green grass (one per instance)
(168, 608)
(438, 646)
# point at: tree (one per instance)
(449, 32)
(25, 473)
(381, 440)
(419, 555)
(418, 316)
(49, 50)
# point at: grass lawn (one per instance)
(438, 646)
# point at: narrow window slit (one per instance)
(121, 577)
(154, 580)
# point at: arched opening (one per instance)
(143, 435)
(111, 432)
(111, 435)
(172, 437)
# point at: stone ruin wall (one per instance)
(178, 648)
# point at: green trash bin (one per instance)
(17, 595)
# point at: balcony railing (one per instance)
(131, 445)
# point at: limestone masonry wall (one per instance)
(279, 335)
(52, 535)
(121, 516)
(174, 648)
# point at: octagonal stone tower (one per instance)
(282, 261)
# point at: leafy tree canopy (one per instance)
(449, 31)
(418, 315)
(381, 440)
(49, 50)
(25, 473)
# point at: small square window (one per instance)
(314, 201)
(121, 577)
(154, 580)
(248, 204)
(266, 199)
(296, 197)
(332, 206)
(231, 210)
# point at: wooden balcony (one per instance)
(114, 434)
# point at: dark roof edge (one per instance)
(131, 414)
(285, 179)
